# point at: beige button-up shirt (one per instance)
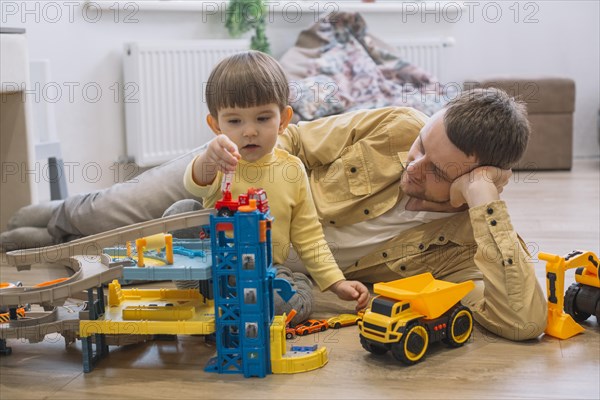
(354, 162)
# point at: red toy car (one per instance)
(226, 207)
(311, 326)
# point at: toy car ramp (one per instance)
(428, 296)
(93, 245)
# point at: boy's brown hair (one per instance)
(246, 79)
(488, 124)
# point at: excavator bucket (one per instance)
(561, 325)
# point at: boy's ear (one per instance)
(214, 124)
(286, 117)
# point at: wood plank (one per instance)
(556, 213)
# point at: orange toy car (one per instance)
(311, 326)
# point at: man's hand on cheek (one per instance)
(480, 186)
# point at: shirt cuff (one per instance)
(491, 224)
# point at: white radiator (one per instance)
(165, 109)
(427, 53)
(164, 87)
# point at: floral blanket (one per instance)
(336, 67)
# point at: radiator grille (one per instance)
(164, 91)
(164, 96)
(427, 53)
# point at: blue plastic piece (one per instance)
(188, 252)
(243, 284)
(305, 349)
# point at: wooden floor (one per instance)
(555, 212)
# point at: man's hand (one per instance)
(480, 186)
(352, 290)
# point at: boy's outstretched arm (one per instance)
(352, 290)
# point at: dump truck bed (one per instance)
(428, 296)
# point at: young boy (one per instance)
(247, 97)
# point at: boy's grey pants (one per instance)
(140, 199)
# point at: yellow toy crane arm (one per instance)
(560, 324)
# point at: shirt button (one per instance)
(493, 223)
(366, 212)
(509, 261)
(332, 222)
(441, 238)
(353, 170)
(403, 267)
(421, 246)
(490, 210)
(384, 254)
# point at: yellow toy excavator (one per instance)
(581, 300)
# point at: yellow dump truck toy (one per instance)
(410, 313)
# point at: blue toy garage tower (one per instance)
(243, 283)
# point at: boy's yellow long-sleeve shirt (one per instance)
(284, 179)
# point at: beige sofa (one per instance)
(550, 104)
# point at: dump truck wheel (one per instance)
(570, 303)
(598, 312)
(412, 346)
(371, 347)
(460, 327)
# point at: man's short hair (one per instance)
(488, 124)
(246, 79)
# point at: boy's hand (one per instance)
(352, 290)
(480, 186)
(224, 153)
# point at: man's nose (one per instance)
(415, 168)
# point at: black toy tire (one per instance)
(372, 348)
(225, 212)
(413, 345)
(570, 306)
(460, 327)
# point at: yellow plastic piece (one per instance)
(168, 319)
(427, 296)
(154, 242)
(115, 294)
(159, 313)
(560, 324)
(282, 363)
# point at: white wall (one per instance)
(564, 42)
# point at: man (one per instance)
(398, 195)
(389, 213)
